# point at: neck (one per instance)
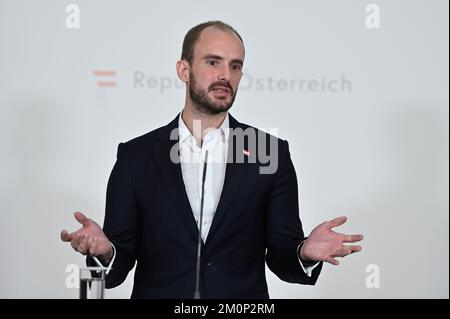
(199, 123)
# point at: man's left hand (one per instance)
(324, 244)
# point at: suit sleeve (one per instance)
(283, 227)
(122, 218)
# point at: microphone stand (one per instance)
(199, 247)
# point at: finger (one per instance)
(81, 218)
(342, 252)
(65, 236)
(353, 238)
(355, 249)
(76, 241)
(74, 244)
(337, 222)
(347, 250)
(80, 238)
(332, 261)
(83, 246)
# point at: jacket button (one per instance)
(209, 263)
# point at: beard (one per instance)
(204, 103)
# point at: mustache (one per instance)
(221, 84)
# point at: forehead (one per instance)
(215, 41)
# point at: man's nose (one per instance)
(224, 73)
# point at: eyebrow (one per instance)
(218, 57)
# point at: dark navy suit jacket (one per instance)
(149, 220)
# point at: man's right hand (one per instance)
(89, 239)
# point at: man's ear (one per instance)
(183, 70)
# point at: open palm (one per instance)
(324, 244)
(89, 239)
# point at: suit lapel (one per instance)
(172, 175)
(234, 175)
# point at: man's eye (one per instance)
(212, 62)
(236, 67)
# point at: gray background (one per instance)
(377, 152)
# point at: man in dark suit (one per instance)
(242, 207)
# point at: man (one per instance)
(159, 185)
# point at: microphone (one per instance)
(199, 247)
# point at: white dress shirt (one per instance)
(192, 158)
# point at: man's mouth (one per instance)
(221, 90)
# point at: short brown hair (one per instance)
(193, 34)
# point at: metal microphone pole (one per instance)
(199, 247)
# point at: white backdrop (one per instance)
(365, 111)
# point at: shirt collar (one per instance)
(185, 134)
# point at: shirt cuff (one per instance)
(110, 263)
(306, 269)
